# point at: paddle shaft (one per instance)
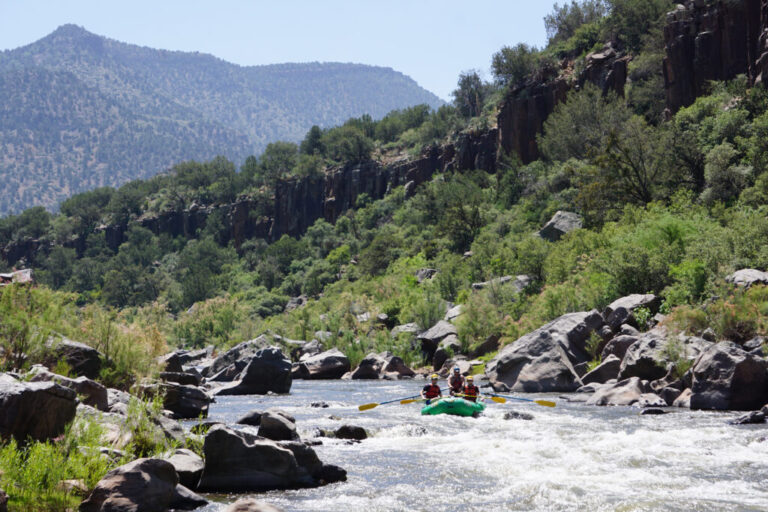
(545, 403)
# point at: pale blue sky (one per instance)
(430, 40)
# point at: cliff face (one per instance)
(522, 114)
(712, 42)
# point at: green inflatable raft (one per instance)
(454, 405)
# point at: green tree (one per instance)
(513, 64)
(469, 95)
(563, 21)
(313, 142)
(347, 144)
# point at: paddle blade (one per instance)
(365, 407)
(545, 403)
(499, 400)
(411, 400)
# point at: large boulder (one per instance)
(618, 346)
(83, 360)
(410, 328)
(605, 371)
(171, 363)
(182, 401)
(188, 465)
(241, 352)
(236, 461)
(560, 224)
(37, 410)
(331, 364)
(309, 349)
(747, 277)
(453, 313)
(277, 426)
(183, 378)
(93, 393)
(381, 366)
(268, 370)
(449, 346)
(144, 485)
(543, 360)
(621, 311)
(252, 418)
(631, 391)
(431, 338)
(644, 358)
(726, 377)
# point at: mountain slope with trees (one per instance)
(81, 110)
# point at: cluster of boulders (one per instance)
(654, 368)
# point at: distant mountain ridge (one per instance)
(80, 110)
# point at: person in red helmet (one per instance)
(470, 391)
(431, 390)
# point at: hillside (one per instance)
(81, 110)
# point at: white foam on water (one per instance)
(572, 457)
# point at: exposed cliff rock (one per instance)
(716, 41)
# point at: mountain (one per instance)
(80, 110)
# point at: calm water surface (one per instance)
(572, 457)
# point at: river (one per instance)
(571, 457)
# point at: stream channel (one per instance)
(571, 457)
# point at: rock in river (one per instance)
(241, 462)
(725, 376)
(331, 364)
(40, 410)
(268, 370)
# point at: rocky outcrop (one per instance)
(560, 224)
(182, 401)
(148, 485)
(37, 410)
(93, 393)
(431, 338)
(351, 432)
(605, 371)
(519, 283)
(381, 366)
(631, 391)
(726, 377)
(241, 352)
(711, 41)
(188, 465)
(268, 370)
(236, 461)
(278, 426)
(621, 311)
(747, 277)
(543, 360)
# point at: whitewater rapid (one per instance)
(571, 457)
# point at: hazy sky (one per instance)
(430, 40)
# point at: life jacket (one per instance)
(456, 383)
(470, 391)
(431, 391)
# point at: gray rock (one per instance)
(448, 347)
(560, 224)
(431, 338)
(252, 418)
(277, 426)
(193, 356)
(230, 373)
(453, 313)
(520, 282)
(370, 367)
(93, 393)
(84, 360)
(331, 364)
(670, 394)
(491, 344)
(726, 377)
(182, 401)
(750, 418)
(183, 378)
(644, 357)
(37, 410)
(605, 371)
(543, 360)
(296, 302)
(631, 391)
(171, 363)
(241, 352)
(621, 311)
(411, 328)
(149, 485)
(515, 415)
(188, 465)
(652, 411)
(684, 400)
(351, 432)
(241, 462)
(628, 330)
(251, 505)
(268, 370)
(309, 349)
(747, 277)
(424, 274)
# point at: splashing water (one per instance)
(572, 457)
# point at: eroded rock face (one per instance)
(544, 359)
(182, 401)
(747, 277)
(241, 352)
(268, 370)
(431, 338)
(605, 371)
(188, 465)
(147, 485)
(621, 311)
(40, 410)
(277, 426)
(242, 462)
(725, 377)
(631, 391)
(93, 393)
(644, 358)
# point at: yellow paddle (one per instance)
(545, 403)
(366, 407)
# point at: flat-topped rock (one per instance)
(747, 277)
(561, 223)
